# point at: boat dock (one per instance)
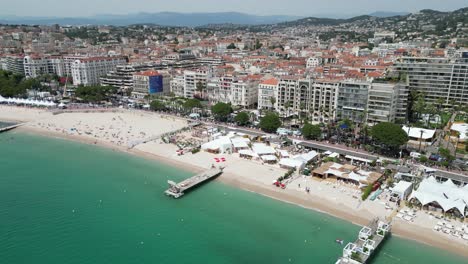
(8, 128)
(369, 239)
(177, 190)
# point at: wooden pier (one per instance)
(369, 239)
(8, 128)
(177, 190)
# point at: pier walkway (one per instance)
(8, 128)
(369, 239)
(177, 190)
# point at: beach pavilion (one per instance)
(346, 172)
(266, 153)
(402, 189)
(218, 146)
(419, 135)
(446, 197)
(240, 143)
(247, 154)
(299, 161)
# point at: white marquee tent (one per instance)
(20, 101)
(446, 194)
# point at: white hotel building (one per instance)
(88, 71)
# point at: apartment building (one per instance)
(150, 83)
(352, 100)
(219, 89)
(177, 85)
(313, 62)
(15, 64)
(437, 78)
(244, 92)
(382, 103)
(194, 78)
(287, 102)
(373, 102)
(88, 71)
(268, 94)
(322, 100)
(122, 77)
(35, 66)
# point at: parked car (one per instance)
(435, 157)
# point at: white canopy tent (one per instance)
(447, 195)
(415, 133)
(20, 101)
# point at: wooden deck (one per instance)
(177, 190)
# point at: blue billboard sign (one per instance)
(156, 84)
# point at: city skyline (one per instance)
(274, 7)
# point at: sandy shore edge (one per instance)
(410, 232)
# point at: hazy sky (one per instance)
(76, 8)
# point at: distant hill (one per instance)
(440, 19)
(162, 18)
(388, 14)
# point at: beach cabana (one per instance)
(307, 157)
(402, 189)
(270, 159)
(291, 164)
(247, 153)
(218, 146)
(240, 143)
(262, 149)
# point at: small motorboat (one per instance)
(339, 241)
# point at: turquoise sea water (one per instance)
(65, 202)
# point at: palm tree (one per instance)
(273, 102)
(302, 107)
(287, 108)
(456, 145)
(201, 89)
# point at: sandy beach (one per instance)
(117, 130)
